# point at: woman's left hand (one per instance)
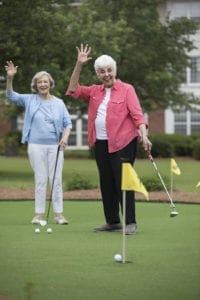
(63, 143)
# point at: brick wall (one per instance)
(156, 122)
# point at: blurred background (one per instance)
(156, 44)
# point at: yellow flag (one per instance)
(174, 167)
(198, 184)
(130, 180)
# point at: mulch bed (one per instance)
(28, 194)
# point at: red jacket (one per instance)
(124, 113)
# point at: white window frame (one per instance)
(170, 122)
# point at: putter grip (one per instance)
(149, 155)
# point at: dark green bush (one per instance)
(140, 152)
(182, 144)
(78, 182)
(161, 146)
(11, 143)
(154, 183)
(169, 145)
(196, 149)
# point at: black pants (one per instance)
(109, 167)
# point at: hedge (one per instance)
(164, 145)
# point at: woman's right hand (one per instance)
(83, 54)
(11, 69)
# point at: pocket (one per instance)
(117, 106)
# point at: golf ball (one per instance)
(43, 222)
(49, 230)
(37, 230)
(118, 257)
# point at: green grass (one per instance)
(16, 172)
(75, 263)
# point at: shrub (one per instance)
(11, 143)
(161, 146)
(140, 152)
(182, 144)
(78, 182)
(196, 149)
(154, 183)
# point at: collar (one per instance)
(114, 87)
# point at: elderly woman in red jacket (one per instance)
(115, 122)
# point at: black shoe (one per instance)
(109, 227)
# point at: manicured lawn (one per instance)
(75, 263)
(16, 172)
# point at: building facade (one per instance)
(183, 122)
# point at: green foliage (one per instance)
(42, 35)
(78, 182)
(140, 151)
(169, 145)
(132, 32)
(161, 146)
(182, 144)
(196, 149)
(10, 144)
(154, 183)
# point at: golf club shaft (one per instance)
(155, 167)
(52, 184)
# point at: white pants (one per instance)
(43, 159)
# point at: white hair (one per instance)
(37, 76)
(104, 61)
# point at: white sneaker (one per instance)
(37, 219)
(131, 229)
(60, 219)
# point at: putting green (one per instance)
(75, 263)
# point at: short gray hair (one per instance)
(104, 61)
(37, 76)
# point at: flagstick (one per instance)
(123, 227)
(172, 182)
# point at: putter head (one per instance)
(43, 222)
(173, 213)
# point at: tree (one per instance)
(42, 35)
(33, 34)
(151, 55)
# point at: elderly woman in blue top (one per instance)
(47, 125)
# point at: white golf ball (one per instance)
(118, 257)
(49, 230)
(37, 230)
(43, 222)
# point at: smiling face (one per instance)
(107, 76)
(43, 86)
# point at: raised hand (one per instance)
(11, 69)
(83, 54)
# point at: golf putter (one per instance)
(50, 199)
(173, 213)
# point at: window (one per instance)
(187, 122)
(195, 70)
(180, 122)
(195, 122)
(192, 74)
(78, 138)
